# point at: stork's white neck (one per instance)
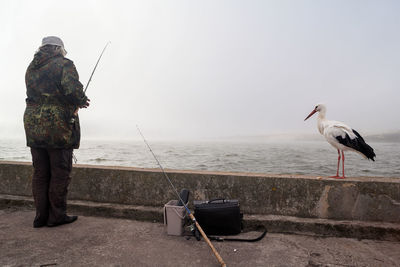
(321, 119)
(321, 114)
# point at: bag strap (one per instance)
(222, 239)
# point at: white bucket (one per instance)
(174, 217)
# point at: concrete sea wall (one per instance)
(375, 201)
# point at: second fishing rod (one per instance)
(191, 216)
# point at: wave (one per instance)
(309, 158)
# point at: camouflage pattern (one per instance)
(53, 94)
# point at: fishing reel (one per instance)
(73, 119)
(193, 229)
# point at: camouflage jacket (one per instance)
(53, 93)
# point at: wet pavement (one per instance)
(97, 241)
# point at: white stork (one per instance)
(341, 137)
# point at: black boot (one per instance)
(67, 219)
(37, 224)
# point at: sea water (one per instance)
(285, 157)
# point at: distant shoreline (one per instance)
(391, 137)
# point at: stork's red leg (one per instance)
(343, 164)
(338, 164)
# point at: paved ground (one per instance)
(95, 241)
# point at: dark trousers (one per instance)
(52, 168)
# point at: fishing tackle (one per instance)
(219, 258)
(90, 78)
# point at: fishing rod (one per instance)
(219, 258)
(90, 78)
(97, 63)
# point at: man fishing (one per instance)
(52, 130)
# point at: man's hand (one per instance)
(86, 104)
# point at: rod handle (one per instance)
(219, 258)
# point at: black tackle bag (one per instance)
(219, 216)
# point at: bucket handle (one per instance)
(177, 213)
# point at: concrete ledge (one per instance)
(325, 227)
(354, 199)
(274, 223)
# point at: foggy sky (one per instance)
(198, 69)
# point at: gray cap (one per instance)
(52, 40)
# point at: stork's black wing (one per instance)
(358, 144)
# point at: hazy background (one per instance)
(204, 69)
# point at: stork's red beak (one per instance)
(312, 113)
